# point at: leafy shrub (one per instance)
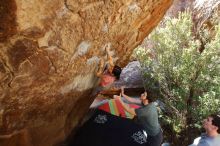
(186, 76)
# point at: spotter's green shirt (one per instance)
(147, 117)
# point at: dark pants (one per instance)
(155, 140)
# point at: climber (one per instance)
(108, 75)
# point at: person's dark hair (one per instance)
(216, 121)
(150, 99)
(116, 72)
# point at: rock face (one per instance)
(179, 6)
(131, 76)
(49, 51)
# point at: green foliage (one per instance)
(188, 77)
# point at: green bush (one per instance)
(187, 78)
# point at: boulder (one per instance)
(49, 52)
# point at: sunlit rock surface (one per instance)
(49, 51)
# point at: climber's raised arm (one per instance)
(130, 99)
